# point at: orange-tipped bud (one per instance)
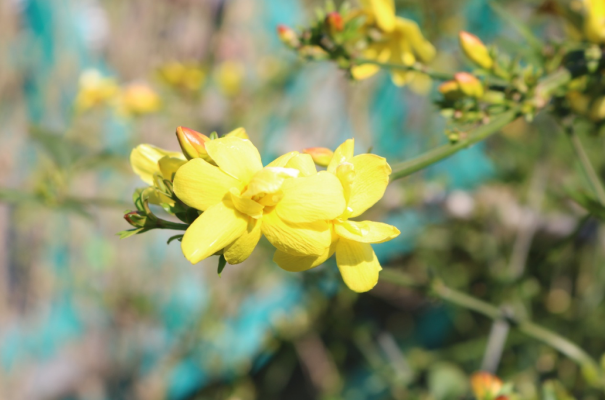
(335, 22)
(288, 36)
(320, 155)
(469, 85)
(475, 50)
(192, 143)
(450, 90)
(485, 385)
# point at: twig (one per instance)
(589, 170)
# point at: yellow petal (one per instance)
(299, 239)
(304, 163)
(154, 196)
(246, 205)
(371, 180)
(241, 249)
(344, 153)
(240, 133)
(201, 185)
(412, 35)
(269, 180)
(364, 71)
(144, 160)
(281, 161)
(294, 263)
(169, 166)
(383, 12)
(358, 265)
(366, 231)
(218, 227)
(237, 157)
(312, 198)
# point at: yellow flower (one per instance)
(381, 13)
(364, 178)
(404, 45)
(95, 90)
(190, 77)
(137, 99)
(594, 22)
(287, 201)
(151, 163)
(230, 77)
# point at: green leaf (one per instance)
(129, 233)
(175, 237)
(221, 264)
(589, 203)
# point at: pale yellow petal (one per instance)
(154, 196)
(201, 185)
(169, 166)
(299, 239)
(217, 227)
(144, 160)
(294, 263)
(418, 44)
(344, 153)
(383, 12)
(312, 198)
(241, 249)
(281, 161)
(237, 157)
(269, 180)
(371, 180)
(358, 265)
(240, 133)
(366, 231)
(304, 163)
(246, 205)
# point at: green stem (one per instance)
(531, 329)
(163, 224)
(439, 76)
(591, 174)
(406, 168)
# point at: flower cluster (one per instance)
(361, 39)
(227, 199)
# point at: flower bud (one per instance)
(469, 85)
(320, 155)
(450, 90)
(192, 142)
(485, 385)
(335, 22)
(136, 219)
(475, 50)
(288, 36)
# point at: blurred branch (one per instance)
(417, 67)
(440, 290)
(406, 168)
(591, 173)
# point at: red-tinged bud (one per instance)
(502, 397)
(192, 143)
(136, 219)
(475, 50)
(320, 155)
(335, 22)
(469, 85)
(485, 385)
(288, 36)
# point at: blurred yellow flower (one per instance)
(381, 13)
(94, 90)
(287, 201)
(475, 50)
(230, 77)
(594, 22)
(151, 163)
(364, 178)
(190, 77)
(138, 99)
(403, 45)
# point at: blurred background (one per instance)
(85, 315)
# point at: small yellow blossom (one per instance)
(364, 178)
(190, 77)
(594, 22)
(151, 163)
(95, 90)
(230, 77)
(381, 13)
(288, 201)
(138, 99)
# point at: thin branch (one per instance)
(417, 67)
(591, 173)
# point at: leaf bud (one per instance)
(475, 50)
